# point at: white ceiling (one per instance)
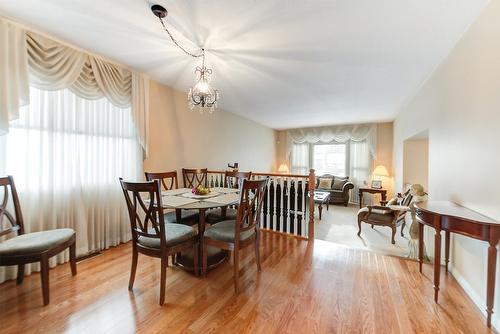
(282, 63)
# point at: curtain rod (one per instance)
(58, 40)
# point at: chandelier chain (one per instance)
(201, 54)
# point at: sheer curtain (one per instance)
(360, 166)
(300, 159)
(66, 154)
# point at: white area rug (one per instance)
(340, 225)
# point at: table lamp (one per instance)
(380, 171)
(283, 169)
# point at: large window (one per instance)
(330, 159)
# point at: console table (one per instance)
(450, 217)
(382, 192)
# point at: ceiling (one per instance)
(282, 63)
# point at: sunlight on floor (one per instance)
(339, 225)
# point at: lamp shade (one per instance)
(380, 170)
(283, 168)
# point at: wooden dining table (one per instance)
(183, 199)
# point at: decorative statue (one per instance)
(419, 195)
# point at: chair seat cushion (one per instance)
(36, 242)
(175, 234)
(383, 218)
(188, 217)
(214, 216)
(225, 230)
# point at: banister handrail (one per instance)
(264, 174)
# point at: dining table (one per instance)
(184, 199)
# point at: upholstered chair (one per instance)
(26, 248)
(234, 235)
(150, 236)
(231, 180)
(392, 215)
(168, 181)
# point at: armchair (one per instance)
(392, 215)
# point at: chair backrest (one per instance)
(231, 178)
(144, 209)
(194, 177)
(168, 180)
(250, 205)
(10, 222)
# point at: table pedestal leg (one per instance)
(360, 199)
(437, 262)
(320, 209)
(490, 288)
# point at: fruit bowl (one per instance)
(201, 190)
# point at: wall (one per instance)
(181, 138)
(416, 162)
(459, 105)
(384, 155)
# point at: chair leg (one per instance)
(44, 274)
(204, 256)
(402, 228)
(393, 241)
(133, 268)
(196, 256)
(257, 250)
(72, 258)
(163, 279)
(236, 268)
(20, 274)
(359, 227)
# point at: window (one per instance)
(330, 159)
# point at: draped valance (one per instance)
(54, 66)
(336, 134)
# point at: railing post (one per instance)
(312, 186)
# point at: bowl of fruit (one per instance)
(201, 190)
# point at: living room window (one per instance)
(330, 159)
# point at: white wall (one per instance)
(460, 107)
(181, 138)
(416, 162)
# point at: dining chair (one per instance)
(168, 181)
(235, 235)
(231, 180)
(27, 248)
(194, 177)
(150, 237)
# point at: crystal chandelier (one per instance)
(201, 96)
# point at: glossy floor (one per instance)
(303, 288)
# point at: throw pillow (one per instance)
(325, 182)
(338, 183)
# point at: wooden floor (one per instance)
(303, 288)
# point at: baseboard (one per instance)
(480, 302)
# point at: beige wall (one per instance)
(416, 162)
(460, 107)
(181, 138)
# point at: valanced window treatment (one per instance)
(28, 59)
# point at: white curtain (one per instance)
(14, 83)
(336, 134)
(300, 159)
(54, 66)
(66, 154)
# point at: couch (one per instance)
(339, 188)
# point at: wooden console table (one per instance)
(450, 217)
(382, 192)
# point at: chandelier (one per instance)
(201, 96)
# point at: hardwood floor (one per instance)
(303, 288)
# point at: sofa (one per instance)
(338, 187)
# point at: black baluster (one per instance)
(300, 216)
(264, 209)
(278, 206)
(292, 207)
